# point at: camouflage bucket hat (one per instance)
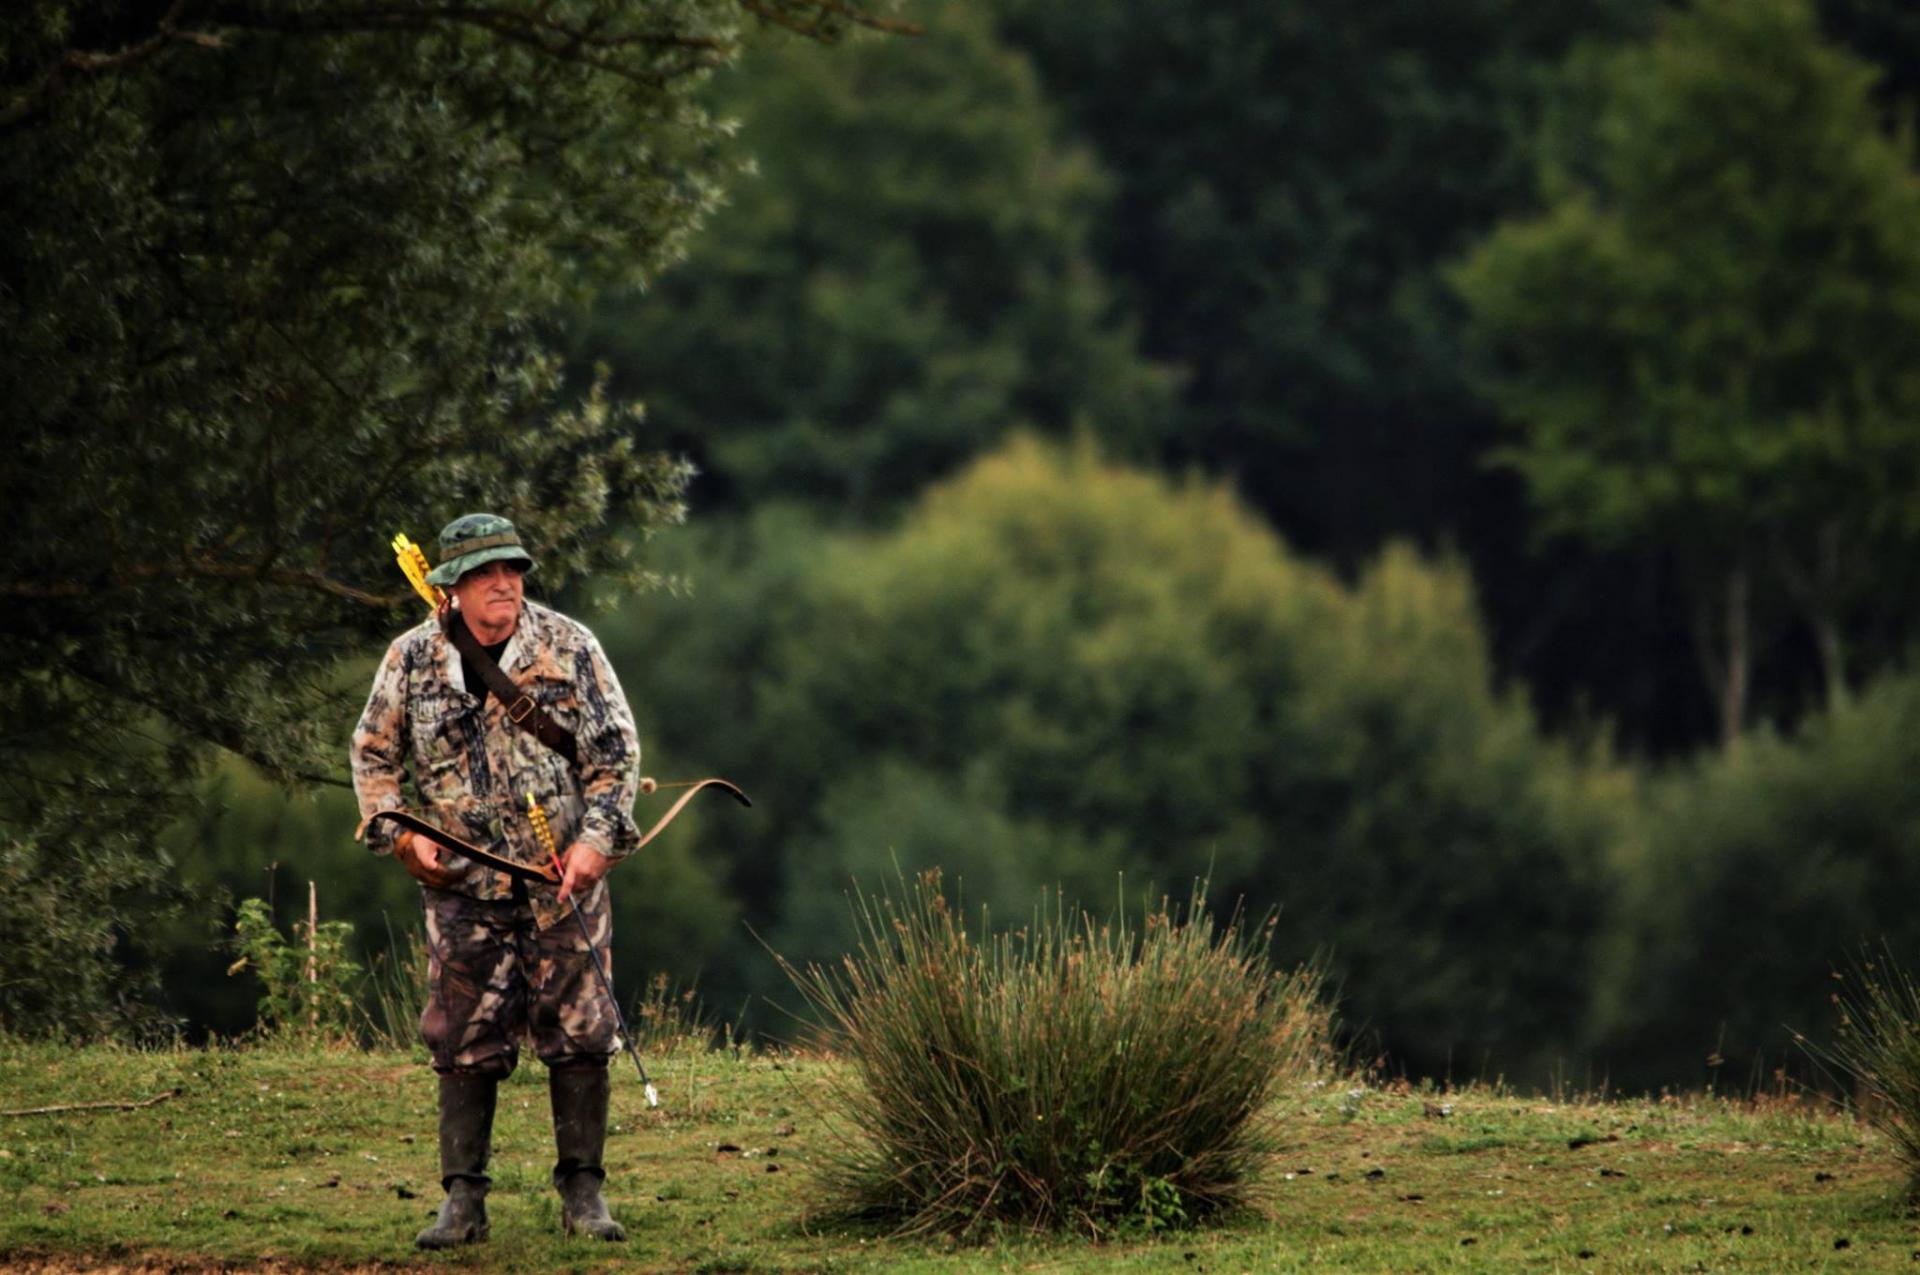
(474, 540)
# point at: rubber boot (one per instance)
(466, 1131)
(579, 1099)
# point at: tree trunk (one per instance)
(1826, 625)
(1722, 643)
(1833, 660)
(1733, 695)
(1819, 592)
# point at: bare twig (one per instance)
(93, 1106)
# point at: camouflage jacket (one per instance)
(472, 769)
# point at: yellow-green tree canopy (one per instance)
(1056, 670)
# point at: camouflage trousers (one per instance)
(494, 975)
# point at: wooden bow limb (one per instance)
(693, 789)
(528, 872)
(441, 837)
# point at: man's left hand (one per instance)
(582, 866)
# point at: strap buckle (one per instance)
(520, 709)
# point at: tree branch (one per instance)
(202, 569)
(583, 44)
(204, 729)
(91, 62)
(859, 17)
(518, 24)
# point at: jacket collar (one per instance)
(517, 656)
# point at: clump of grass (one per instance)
(667, 1017)
(1071, 1075)
(397, 990)
(1877, 1044)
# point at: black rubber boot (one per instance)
(580, 1135)
(466, 1131)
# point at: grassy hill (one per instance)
(294, 1160)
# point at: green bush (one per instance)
(1421, 826)
(76, 917)
(1068, 1075)
(1752, 877)
(309, 986)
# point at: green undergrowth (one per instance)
(325, 1160)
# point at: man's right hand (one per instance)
(421, 858)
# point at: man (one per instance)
(499, 963)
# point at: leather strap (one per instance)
(522, 711)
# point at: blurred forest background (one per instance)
(1445, 471)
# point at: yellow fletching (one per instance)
(413, 565)
(540, 827)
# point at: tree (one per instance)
(270, 276)
(1711, 338)
(904, 279)
(1289, 181)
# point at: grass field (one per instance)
(268, 1158)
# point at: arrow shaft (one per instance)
(606, 986)
(545, 833)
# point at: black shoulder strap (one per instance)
(521, 709)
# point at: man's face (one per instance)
(489, 596)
